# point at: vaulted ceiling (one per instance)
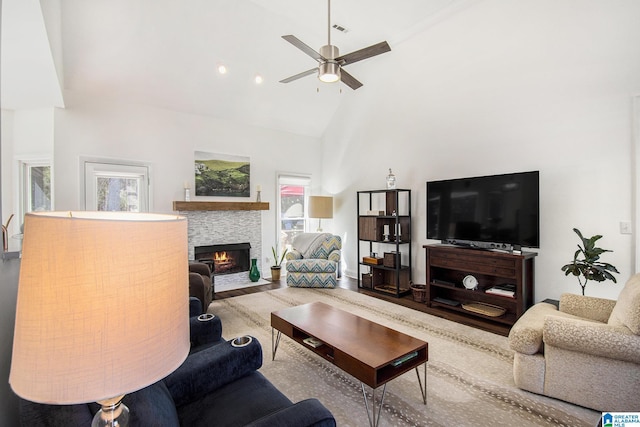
(166, 53)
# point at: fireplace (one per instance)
(224, 259)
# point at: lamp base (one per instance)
(113, 413)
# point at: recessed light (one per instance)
(258, 79)
(222, 69)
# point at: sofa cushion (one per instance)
(236, 404)
(152, 405)
(42, 415)
(627, 310)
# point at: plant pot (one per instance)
(275, 273)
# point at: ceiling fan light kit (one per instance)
(329, 72)
(330, 63)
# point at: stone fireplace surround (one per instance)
(215, 227)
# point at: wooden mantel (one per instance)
(220, 206)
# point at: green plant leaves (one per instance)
(589, 267)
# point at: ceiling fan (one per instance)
(330, 63)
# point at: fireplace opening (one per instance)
(224, 259)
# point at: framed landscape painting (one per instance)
(222, 175)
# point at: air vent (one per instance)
(340, 28)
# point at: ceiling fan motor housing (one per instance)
(329, 51)
(329, 71)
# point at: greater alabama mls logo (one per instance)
(621, 419)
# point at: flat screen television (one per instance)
(497, 211)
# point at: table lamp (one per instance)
(320, 207)
(102, 307)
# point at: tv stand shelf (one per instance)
(448, 265)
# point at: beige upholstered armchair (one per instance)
(586, 352)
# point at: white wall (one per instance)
(504, 87)
(167, 140)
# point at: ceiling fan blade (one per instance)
(349, 80)
(300, 75)
(365, 53)
(303, 47)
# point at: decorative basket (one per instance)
(419, 293)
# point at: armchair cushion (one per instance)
(595, 338)
(627, 309)
(207, 370)
(585, 307)
(152, 405)
(318, 265)
(308, 412)
(526, 336)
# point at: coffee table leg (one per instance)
(423, 388)
(371, 413)
(274, 343)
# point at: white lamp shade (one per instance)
(102, 305)
(320, 207)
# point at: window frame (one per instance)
(25, 166)
(92, 169)
(286, 178)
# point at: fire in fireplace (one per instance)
(224, 259)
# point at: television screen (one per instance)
(500, 209)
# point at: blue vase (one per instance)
(254, 273)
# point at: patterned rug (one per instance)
(469, 374)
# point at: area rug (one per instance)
(469, 373)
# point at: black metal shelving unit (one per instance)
(384, 228)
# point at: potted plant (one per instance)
(589, 267)
(275, 269)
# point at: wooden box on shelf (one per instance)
(374, 278)
(391, 259)
(372, 260)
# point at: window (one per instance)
(116, 187)
(293, 193)
(37, 188)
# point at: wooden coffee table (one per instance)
(372, 353)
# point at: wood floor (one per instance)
(343, 282)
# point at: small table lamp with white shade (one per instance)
(320, 207)
(102, 307)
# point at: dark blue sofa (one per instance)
(217, 385)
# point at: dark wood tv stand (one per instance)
(448, 265)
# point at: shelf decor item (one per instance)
(589, 267)
(470, 282)
(254, 273)
(419, 292)
(391, 259)
(391, 181)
